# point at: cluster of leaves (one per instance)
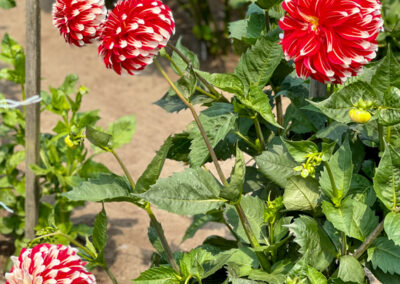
(62, 164)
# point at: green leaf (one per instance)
(188, 54)
(249, 29)
(153, 170)
(7, 4)
(338, 105)
(253, 208)
(350, 270)
(226, 82)
(392, 227)
(300, 149)
(387, 178)
(257, 65)
(277, 165)
(385, 254)
(301, 194)
(218, 120)
(98, 138)
(69, 84)
(158, 275)
(315, 245)
(186, 84)
(387, 74)
(267, 277)
(242, 261)
(122, 131)
(267, 4)
(315, 276)
(100, 233)
(341, 165)
(199, 221)
(389, 109)
(191, 192)
(258, 101)
(233, 191)
(353, 218)
(104, 188)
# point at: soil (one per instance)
(128, 250)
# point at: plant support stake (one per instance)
(32, 142)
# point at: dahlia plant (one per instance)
(316, 197)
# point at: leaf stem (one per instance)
(381, 139)
(236, 236)
(110, 275)
(279, 110)
(247, 140)
(161, 235)
(333, 184)
(388, 134)
(126, 172)
(252, 238)
(259, 131)
(366, 244)
(243, 218)
(344, 243)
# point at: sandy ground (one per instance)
(128, 251)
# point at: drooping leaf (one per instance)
(159, 275)
(191, 192)
(392, 227)
(353, 218)
(387, 178)
(385, 254)
(315, 245)
(350, 270)
(100, 234)
(301, 194)
(276, 164)
(122, 130)
(233, 191)
(98, 138)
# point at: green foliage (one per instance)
(384, 254)
(7, 4)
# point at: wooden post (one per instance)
(317, 89)
(32, 87)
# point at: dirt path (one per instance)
(128, 250)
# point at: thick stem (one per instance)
(259, 132)
(381, 139)
(252, 238)
(126, 172)
(197, 120)
(161, 236)
(110, 275)
(366, 244)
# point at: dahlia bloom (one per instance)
(330, 40)
(133, 33)
(78, 20)
(49, 264)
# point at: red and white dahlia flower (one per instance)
(49, 264)
(330, 40)
(133, 33)
(78, 20)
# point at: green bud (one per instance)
(305, 173)
(362, 104)
(298, 168)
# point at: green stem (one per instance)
(267, 20)
(110, 275)
(259, 132)
(344, 243)
(252, 238)
(279, 110)
(370, 239)
(161, 236)
(234, 234)
(332, 180)
(243, 218)
(126, 172)
(247, 140)
(381, 139)
(197, 120)
(388, 134)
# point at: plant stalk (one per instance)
(110, 275)
(245, 222)
(279, 110)
(388, 134)
(161, 235)
(332, 180)
(381, 139)
(344, 244)
(259, 132)
(366, 244)
(126, 172)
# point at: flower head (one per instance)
(330, 40)
(78, 20)
(47, 263)
(133, 33)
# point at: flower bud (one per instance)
(359, 115)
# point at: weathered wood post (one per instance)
(317, 89)
(32, 87)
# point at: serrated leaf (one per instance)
(249, 29)
(191, 192)
(257, 65)
(300, 149)
(104, 188)
(187, 53)
(315, 245)
(226, 82)
(338, 105)
(387, 178)
(122, 130)
(158, 275)
(233, 191)
(253, 208)
(276, 164)
(301, 194)
(350, 270)
(392, 227)
(353, 218)
(385, 254)
(153, 170)
(387, 74)
(100, 232)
